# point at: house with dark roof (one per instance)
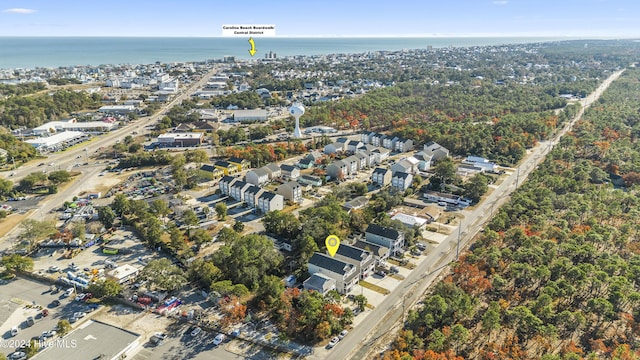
(225, 184)
(268, 201)
(214, 171)
(251, 195)
(355, 204)
(289, 171)
(345, 274)
(320, 283)
(385, 236)
(352, 164)
(363, 160)
(366, 137)
(242, 164)
(371, 157)
(205, 126)
(401, 181)
(310, 180)
(226, 167)
(354, 145)
(237, 189)
(333, 148)
(362, 259)
(306, 163)
(380, 253)
(403, 145)
(390, 142)
(381, 177)
(182, 127)
(377, 139)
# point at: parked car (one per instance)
(218, 339)
(30, 321)
(333, 342)
(14, 331)
(55, 303)
(53, 269)
(18, 355)
(79, 315)
(342, 334)
(68, 292)
(196, 331)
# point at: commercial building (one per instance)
(117, 109)
(186, 139)
(93, 127)
(250, 115)
(57, 141)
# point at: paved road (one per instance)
(375, 333)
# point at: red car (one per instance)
(45, 312)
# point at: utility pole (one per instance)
(459, 235)
(518, 176)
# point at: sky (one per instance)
(296, 18)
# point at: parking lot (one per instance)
(17, 304)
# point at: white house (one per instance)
(345, 274)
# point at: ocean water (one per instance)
(31, 52)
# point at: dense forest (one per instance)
(20, 89)
(554, 276)
(32, 111)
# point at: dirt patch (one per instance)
(12, 221)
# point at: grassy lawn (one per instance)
(376, 288)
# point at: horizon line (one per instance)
(405, 36)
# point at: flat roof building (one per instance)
(181, 139)
(250, 115)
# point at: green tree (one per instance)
(79, 229)
(63, 327)
(238, 226)
(34, 230)
(59, 177)
(200, 236)
(120, 204)
(105, 288)
(190, 219)
(221, 211)
(361, 300)
(204, 272)
(444, 172)
(476, 187)
(163, 275)
(15, 263)
(161, 208)
(106, 216)
(6, 188)
(270, 289)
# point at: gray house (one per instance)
(289, 171)
(401, 181)
(251, 195)
(268, 201)
(291, 191)
(384, 236)
(345, 274)
(337, 169)
(436, 151)
(225, 184)
(320, 283)
(237, 189)
(362, 259)
(381, 176)
(257, 177)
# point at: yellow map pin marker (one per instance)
(333, 243)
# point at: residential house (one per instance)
(377, 140)
(366, 137)
(320, 283)
(446, 198)
(345, 274)
(214, 171)
(363, 160)
(403, 145)
(401, 180)
(257, 177)
(385, 236)
(481, 163)
(273, 170)
(225, 184)
(436, 151)
(306, 163)
(352, 164)
(204, 126)
(405, 166)
(334, 148)
(289, 171)
(356, 203)
(380, 253)
(381, 177)
(251, 195)
(424, 161)
(371, 157)
(411, 221)
(237, 189)
(337, 170)
(242, 164)
(390, 142)
(268, 201)
(362, 259)
(291, 191)
(354, 145)
(226, 167)
(381, 154)
(310, 180)
(182, 127)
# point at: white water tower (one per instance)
(297, 110)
